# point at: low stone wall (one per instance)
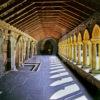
(94, 79)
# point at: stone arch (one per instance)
(86, 48)
(96, 32)
(79, 37)
(86, 35)
(74, 38)
(96, 47)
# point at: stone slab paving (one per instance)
(52, 81)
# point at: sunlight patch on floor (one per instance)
(62, 81)
(64, 92)
(56, 64)
(56, 67)
(81, 98)
(58, 70)
(59, 75)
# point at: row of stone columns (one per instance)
(8, 51)
(83, 52)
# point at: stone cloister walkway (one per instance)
(50, 81)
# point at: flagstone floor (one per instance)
(51, 81)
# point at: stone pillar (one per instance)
(13, 52)
(93, 56)
(33, 49)
(85, 55)
(30, 50)
(70, 51)
(75, 52)
(95, 68)
(63, 49)
(79, 54)
(99, 55)
(8, 65)
(2, 68)
(90, 54)
(19, 53)
(66, 51)
(24, 51)
(27, 50)
(10, 52)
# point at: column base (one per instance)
(14, 69)
(93, 71)
(71, 60)
(22, 65)
(85, 66)
(74, 63)
(74, 60)
(78, 63)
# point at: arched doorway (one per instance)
(47, 47)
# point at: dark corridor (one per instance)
(47, 47)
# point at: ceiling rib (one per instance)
(45, 18)
(18, 12)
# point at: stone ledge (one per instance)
(94, 79)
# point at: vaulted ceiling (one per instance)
(47, 18)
